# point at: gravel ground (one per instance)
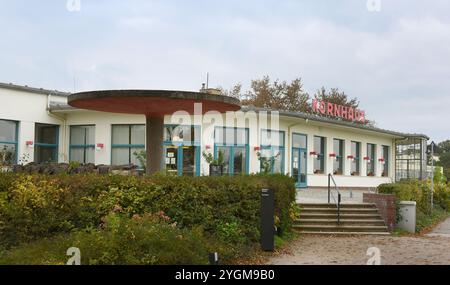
(340, 250)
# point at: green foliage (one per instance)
(142, 240)
(420, 191)
(141, 156)
(38, 207)
(209, 157)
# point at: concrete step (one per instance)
(343, 222)
(344, 233)
(343, 210)
(334, 206)
(340, 228)
(343, 216)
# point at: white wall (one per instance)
(30, 108)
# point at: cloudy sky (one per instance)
(395, 60)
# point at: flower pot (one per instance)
(215, 170)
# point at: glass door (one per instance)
(299, 167)
(171, 159)
(299, 159)
(182, 160)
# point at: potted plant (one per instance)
(267, 163)
(216, 165)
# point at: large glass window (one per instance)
(8, 142)
(182, 150)
(126, 141)
(338, 162)
(232, 143)
(272, 151)
(386, 158)
(371, 159)
(46, 143)
(319, 149)
(410, 158)
(82, 144)
(356, 159)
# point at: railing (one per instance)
(331, 195)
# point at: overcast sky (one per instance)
(396, 60)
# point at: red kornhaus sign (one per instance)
(338, 111)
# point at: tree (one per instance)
(336, 97)
(278, 95)
(443, 147)
(444, 161)
(281, 95)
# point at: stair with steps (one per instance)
(355, 219)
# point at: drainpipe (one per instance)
(64, 128)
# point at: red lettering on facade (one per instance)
(330, 109)
(338, 111)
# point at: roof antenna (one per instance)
(74, 84)
(207, 80)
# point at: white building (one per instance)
(37, 125)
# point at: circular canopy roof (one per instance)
(151, 102)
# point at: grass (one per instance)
(426, 223)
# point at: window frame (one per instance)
(129, 146)
(320, 155)
(232, 147)
(55, 146)
(356, 157)
(280, 148)
(14, 143)
(340, 157)
(84, 146)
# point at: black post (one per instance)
(267, 220)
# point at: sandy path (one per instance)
(352, 250)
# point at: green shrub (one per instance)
(141, 240)
(37, 206)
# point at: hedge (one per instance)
(34, 207)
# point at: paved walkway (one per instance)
(442, 230)
(341, 250)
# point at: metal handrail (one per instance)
(330, 194)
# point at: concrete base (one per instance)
(154, 144)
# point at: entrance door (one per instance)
(182, 160)
(299, 167)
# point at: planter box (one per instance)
(215, 170)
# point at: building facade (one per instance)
(37, 125)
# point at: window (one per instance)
(8, 142)
(127, 140)
(82, 144)
(386, 161)
(46, 143)
(371, 159)
(319, 149)
(338, 149)
(356, 159)
(272, 151)
(182, 150)
(175, 133)
(232, 143)
(411, 159)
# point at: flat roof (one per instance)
(33, 89)
(338, 122)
